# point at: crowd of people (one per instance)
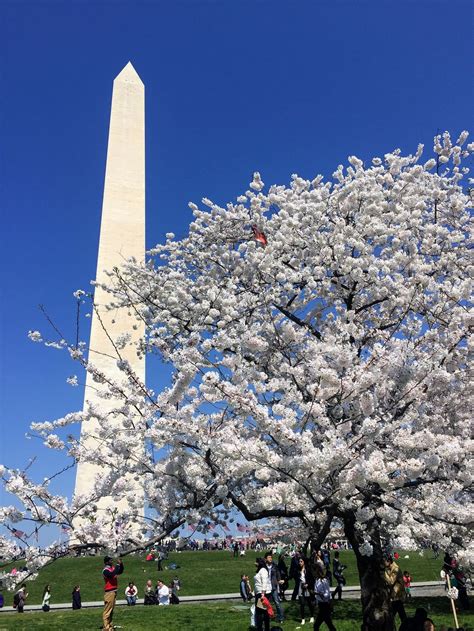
(318, 579)
(315, 576)
(312, 588)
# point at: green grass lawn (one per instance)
(200, 573)
(204, 617)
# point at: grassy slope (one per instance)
(223, 617)
(200, 573)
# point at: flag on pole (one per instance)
(241, 528)
(18, 533)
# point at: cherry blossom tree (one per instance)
(319, 336)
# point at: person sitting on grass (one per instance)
(131, 592)
(162, 593)
(173, 589)
(149, 594)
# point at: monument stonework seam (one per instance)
(122, 235)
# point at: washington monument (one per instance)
(122, 235)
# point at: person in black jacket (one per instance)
(76, 597)
(294, 574)
(305, 589)
(283, 575)
(338, 573)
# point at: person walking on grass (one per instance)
(407, 583)
(338, 573)
(394, 579)
(306, 583)
(19, 599)
(284, 576)
(245, 589)
(46, 598)
(294, 573)
(76, 597)
(262, 588)
(159, 559)
(275, 582)
(110, 573)
(322, 591)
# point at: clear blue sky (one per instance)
(231, 87)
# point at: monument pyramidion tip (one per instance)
(128, 74)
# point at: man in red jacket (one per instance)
(110, 573)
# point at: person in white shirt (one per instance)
(162, 593)
(131, 592)
(262, 587)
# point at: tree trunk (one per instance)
(375, 593)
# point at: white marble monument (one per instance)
(122, 235)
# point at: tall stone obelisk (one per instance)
(122, 235)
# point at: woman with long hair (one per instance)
(46, 598)
(306, 585)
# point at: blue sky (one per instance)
(231, 87)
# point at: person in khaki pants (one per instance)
(110, 573)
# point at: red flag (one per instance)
(18, 533)
(259, 236)
(241, 528)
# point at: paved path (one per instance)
(351, 592)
